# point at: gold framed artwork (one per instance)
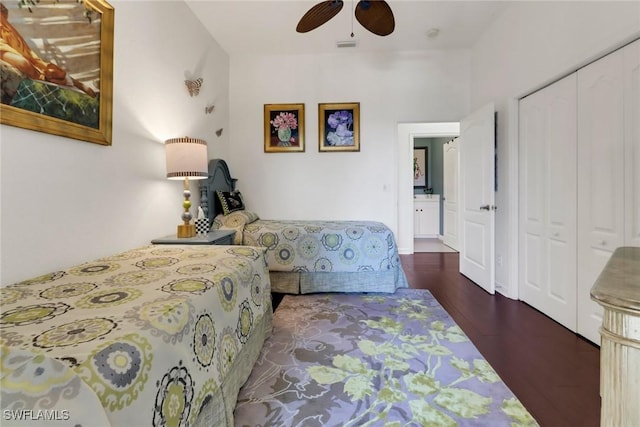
(283, 128)
(339, 127)
(58, 79)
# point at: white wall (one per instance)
(65, 201)
(527, 47)
(402, 87)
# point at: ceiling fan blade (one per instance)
(319, 14)
(376, 16)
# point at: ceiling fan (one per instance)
(374, 15)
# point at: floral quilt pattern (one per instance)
(141, 338)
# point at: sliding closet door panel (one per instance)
(561, 223)
(532, 153)
(547, 205)
(632, 146)
(600, 179)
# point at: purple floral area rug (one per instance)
(374, 360)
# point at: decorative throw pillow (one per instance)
(234, 221)
(230, 201)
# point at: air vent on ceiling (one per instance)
(347, 43)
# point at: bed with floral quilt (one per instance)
(307, 256)
(160, 335)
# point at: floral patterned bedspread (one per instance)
(374, 360)
(146, 337)
(308, 247)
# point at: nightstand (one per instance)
(216, 237)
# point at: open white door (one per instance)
(450, 193)
(477, 197)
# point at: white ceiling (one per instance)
(269, 27)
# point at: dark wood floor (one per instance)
(553, 372)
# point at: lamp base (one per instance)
(186, 230)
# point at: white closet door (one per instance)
(547, 205)
(600, 179)
(632, 147)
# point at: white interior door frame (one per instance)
(406, 134)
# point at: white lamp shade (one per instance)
(186, 157)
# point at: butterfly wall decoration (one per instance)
(209, 109)
(193, 86)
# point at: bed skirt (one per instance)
(362, 281)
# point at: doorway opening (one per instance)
(408, 133)
(476, 210)
(430, 244)
(435, 194)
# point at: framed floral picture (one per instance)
(57, 67)
(339, 127)
(283, 128)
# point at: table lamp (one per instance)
(186, 158)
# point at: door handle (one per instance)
(485, 207)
